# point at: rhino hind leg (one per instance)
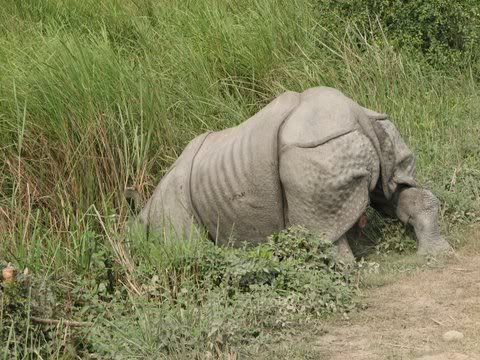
(327, 187)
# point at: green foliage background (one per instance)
(445, 33)
(98, 95)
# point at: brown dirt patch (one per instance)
(406, 319)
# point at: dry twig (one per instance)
(437, 322)
(69, 323)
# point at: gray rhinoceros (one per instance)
(316, 159)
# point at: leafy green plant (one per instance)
(382, 236)
(445, 32)
(24, 298)
(210, 297)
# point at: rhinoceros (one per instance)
(315, 159)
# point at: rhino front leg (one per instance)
(419, 208)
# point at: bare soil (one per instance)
(406, 318)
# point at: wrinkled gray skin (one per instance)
(316, 159)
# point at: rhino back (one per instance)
(323, 114)
(235, 186)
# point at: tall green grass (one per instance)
(95, 96)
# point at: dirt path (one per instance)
(408, 318)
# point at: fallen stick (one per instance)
(437, 322)
(70, 323)
(402, 346)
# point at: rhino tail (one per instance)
(134, 199)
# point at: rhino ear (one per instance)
(374, 115)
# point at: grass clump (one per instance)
(199, 299)
(222, 298)
(24, 299)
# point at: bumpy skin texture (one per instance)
(315, 159)
(327, 186)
